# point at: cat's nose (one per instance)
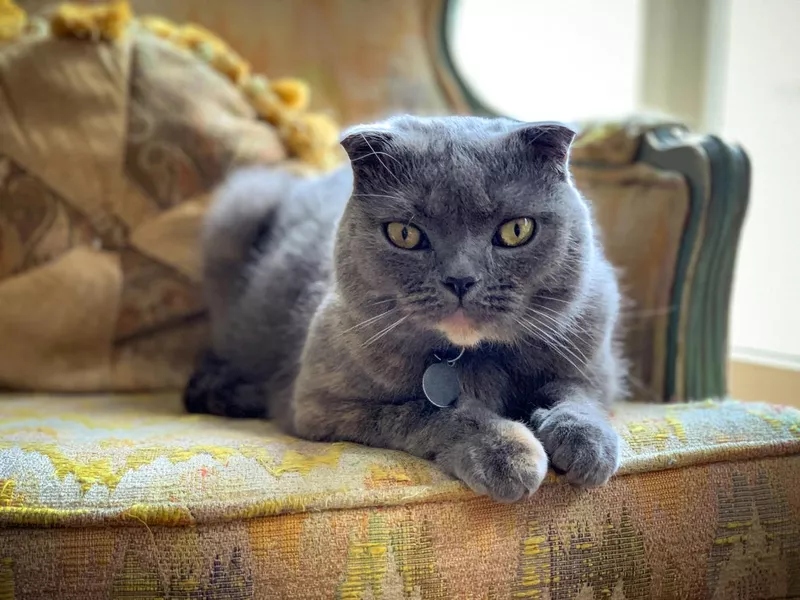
(459, 286)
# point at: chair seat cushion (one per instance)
(126, 496)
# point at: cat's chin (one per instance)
(460, 330)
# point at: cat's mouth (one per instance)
(460, 329)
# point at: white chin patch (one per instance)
(461, 335)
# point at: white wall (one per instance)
(760, 106)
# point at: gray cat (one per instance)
(330, 297)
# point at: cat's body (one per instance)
(268, 261)
(326, 322)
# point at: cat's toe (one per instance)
(582, 445)
(506, 463)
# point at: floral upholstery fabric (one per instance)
(126, 497)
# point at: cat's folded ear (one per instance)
(546, 143)
(364, 141)
(370, 150)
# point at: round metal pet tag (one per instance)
(440, 384)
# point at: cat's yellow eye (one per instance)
(515, 232)
(405, 236)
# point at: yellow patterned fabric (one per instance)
(126, 497)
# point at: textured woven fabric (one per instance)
(125, 497)
(108, 155)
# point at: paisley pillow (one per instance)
(109, 148)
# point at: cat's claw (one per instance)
(505, 462)
(581, 444)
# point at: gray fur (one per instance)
(324, 325)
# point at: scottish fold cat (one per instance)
(454, 241)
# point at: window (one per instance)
(726, 66)
(545, 60)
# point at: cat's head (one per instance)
(459, 224)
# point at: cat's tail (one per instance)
(240, 216)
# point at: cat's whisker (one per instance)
(383, 332)
(558, 350)
(646, 390)
(378, 196)
(377, 156)
(375, 153)
(382, 301)
(569, 324)
(369, 321)
(562, 337)
(548, 309)
(551, 298)
(418, 295)
(419, 298)
(538, 334)
(421, 302)
(536, 331)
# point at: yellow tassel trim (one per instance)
(233, 66)
(192, 36)
(12, 20)
(159, 27)
(311, 137)
(293, 93)
(96, 22)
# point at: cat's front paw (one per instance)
(505, 461)
(580, 442)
